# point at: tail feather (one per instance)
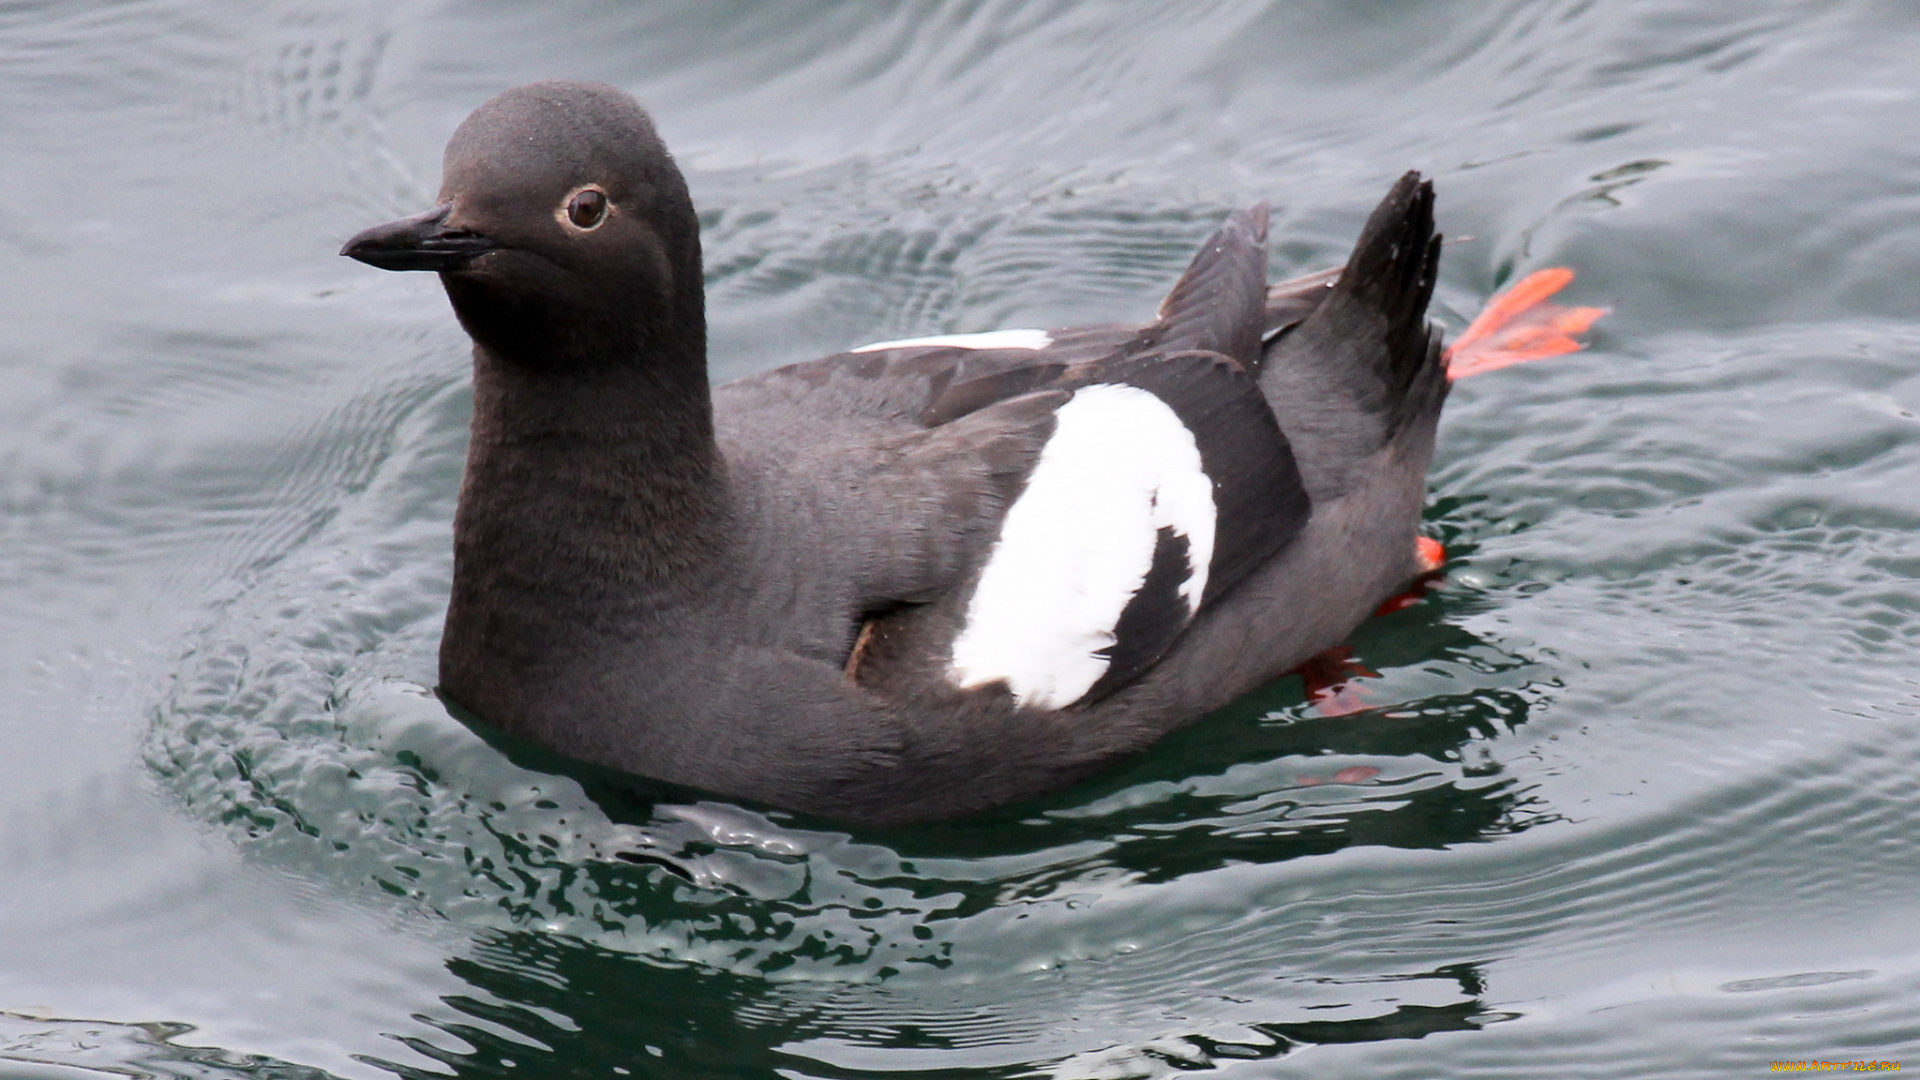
(1392, 272)
(1364, 365)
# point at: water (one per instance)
(1648, 788)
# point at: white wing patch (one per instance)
(993, 339)
(1076, 546)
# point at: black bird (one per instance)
(917, 579)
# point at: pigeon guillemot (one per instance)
(920, 578)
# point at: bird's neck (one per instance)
(590, 496)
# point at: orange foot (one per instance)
(1329, 679)
(1430, 557)
(1521, 324)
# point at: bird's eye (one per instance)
(587, 209)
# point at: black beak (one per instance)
(421, 242)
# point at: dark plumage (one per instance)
(811, 587)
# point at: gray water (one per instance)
(1648, 788)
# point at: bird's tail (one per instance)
(1363, 364)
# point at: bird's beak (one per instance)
(421, 242)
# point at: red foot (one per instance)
(1430, 557)
(1429, 553)
(1521, 324)
(1329, 679)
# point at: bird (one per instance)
(919, 579)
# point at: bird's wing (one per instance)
(1044, 510)
(1066, 537)
(1219, 303)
